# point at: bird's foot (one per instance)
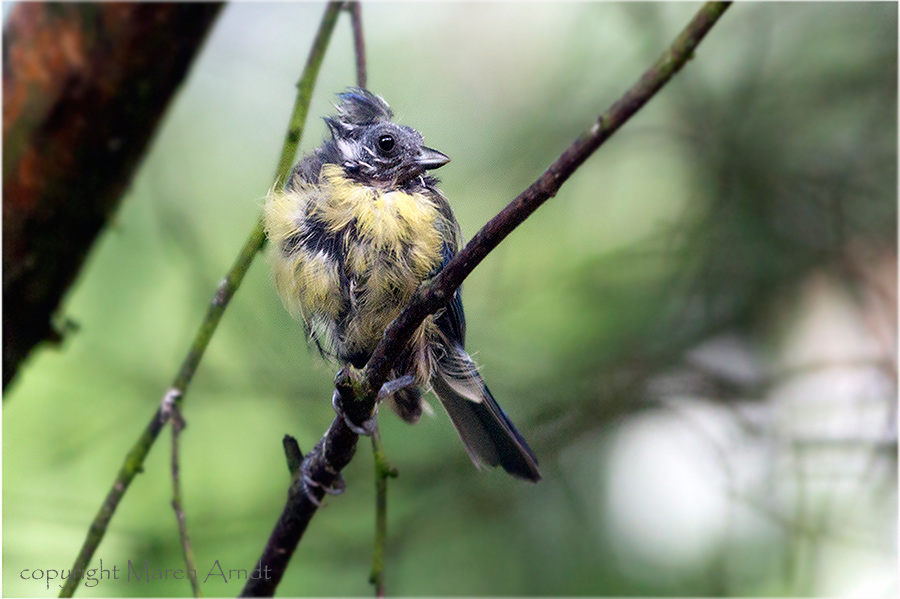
(309, 483)
(365, 429)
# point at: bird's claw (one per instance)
(342, 375)
(309, 483)
(366, 429)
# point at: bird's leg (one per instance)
(366, 428)
(392, 386)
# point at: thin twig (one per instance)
(383, 471)
(133, 464)
(134, 461)
(359, 390)
(256, 240)
(359, 43)
(178, 425)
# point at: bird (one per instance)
(357, 226)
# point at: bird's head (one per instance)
(373, 148)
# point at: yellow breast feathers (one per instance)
(397, 222)
(379, 244)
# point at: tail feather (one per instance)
(489, 436)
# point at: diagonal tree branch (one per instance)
(358, 389)
(227, 288)
(85, 87)
(433, 295)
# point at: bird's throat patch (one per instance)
(397, 223)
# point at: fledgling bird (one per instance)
(359, 224)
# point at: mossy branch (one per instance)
(304, 93)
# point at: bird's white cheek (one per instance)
(350, 150)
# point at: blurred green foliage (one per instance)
(765, 160)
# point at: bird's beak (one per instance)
(429, 159)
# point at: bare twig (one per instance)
(358, 390)
(135, 459)
(359, 43)
(133, 463)
(383, 469)
(178, 425)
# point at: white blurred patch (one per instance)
(666, 492)
(804, 462)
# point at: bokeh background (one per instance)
(697, 335)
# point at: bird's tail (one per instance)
(489, 436)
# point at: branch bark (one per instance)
(358, 389)
(85, 86)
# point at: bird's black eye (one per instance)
(386, 143)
